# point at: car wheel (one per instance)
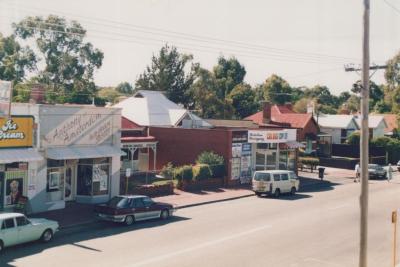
(1, 246)
(164, 214)
(293, 190)
(258, 194)
(47, 235)
(277, 193)
(129, 220)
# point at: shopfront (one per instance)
(16, 159)
(273, 149)
(241, 157)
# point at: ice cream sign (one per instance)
(281, 136)
(16, 132)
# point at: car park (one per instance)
(275, 182)
(131, 208)
(16, 228)
(376, 171)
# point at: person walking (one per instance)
(357, 173)
(389, 174)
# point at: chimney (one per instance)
(37, 94)
(310, 107)
(266, 112)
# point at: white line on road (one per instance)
(324, 262)
(201, 246)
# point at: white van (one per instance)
(275, 182)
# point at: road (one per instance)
(317, 227)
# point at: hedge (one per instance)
(201, 172)
(184, 173)
(218, 171)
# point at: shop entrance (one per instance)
(70, 179)
(266, 157)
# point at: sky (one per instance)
(307, 42)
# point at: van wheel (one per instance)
(277, 193)
(293, 190)
(129, 220)
(47, 236)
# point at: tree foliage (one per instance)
(167, 73)
(69, 62)
(242, 97)
(277, 90)
(228, 73)
(15, 60)
(124, 88)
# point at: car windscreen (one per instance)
(117, 202)
(259, 176)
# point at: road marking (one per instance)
(339, 207)
(322, 261)
(201, 246)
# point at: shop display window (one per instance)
(93, 177)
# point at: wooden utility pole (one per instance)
(364, 150)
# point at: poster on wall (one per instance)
(54, 180)
(236, 150)
(14, 189)
(235, 168)
(100, 175)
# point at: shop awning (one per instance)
(83, 152)
(19, 155)
(294, 144)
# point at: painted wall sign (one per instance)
(85, 127)
(281, 136)
(16, 132)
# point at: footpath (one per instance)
(79, 215)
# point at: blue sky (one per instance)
(307, 42)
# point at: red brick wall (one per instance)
(311, 127)
(182, 146)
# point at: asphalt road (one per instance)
(317, 227)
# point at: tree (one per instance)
(109, 94)
(69, 61)
(167, 73)
(204, 99)
(376, 92)
(15, 61)
(353, 138)
(353, 103)
(277, 90)
(124, 88)
(242, 97)
(228, 74)
(301, 105)
(392, 76)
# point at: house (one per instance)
(339, 127)
(376, 124)
(392, 123)
(153, 108)
(284, 116)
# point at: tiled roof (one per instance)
(391, 121)
(233, 123)
(283, 115)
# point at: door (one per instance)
(152, 210)
(277, 182)
(139, 209)
(70, 178)
(9, 233)
(25, 229)
(286, 185)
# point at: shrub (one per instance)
(218, 171)
(353, 138)
(309, 161)
(201, 172)
(391, 145)
(168, 171)
(184, 173)
(210, 158)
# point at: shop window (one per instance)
(55, 163)
(93, 179)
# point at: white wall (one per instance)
(380, 130)
(335, 133)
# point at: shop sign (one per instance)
(16, 132)
(5, 98)
(246, 149)
(281, 136)
(239, 137)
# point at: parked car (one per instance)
(128, 209)
(275, 182)
(398, 166)
(376, 171)
(16, 228)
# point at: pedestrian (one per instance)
(389, 173)
(357, 173)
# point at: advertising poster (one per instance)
(236, 150)
(14, 189)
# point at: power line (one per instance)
(392, 6)
(164, 32)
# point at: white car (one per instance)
(275, 182)
(16, 228)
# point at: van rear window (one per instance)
(259, 176)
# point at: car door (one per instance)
(277, 182)
(285, 183)
(139, 209)
(152, 210)
(9, 232)
(26, 231)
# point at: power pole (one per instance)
(364, 150)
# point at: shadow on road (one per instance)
(76, 235)
(308, 185)
(290, 197)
